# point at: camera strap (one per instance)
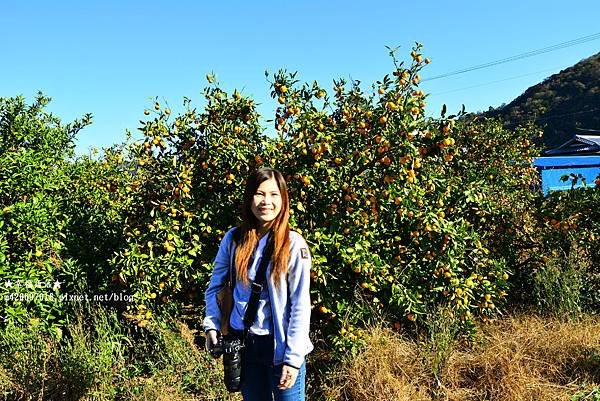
(237, 234)
(258, 284)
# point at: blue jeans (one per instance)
(260, 379)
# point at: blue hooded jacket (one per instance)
(290, 301)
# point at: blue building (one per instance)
(580, 155)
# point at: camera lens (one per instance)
(232, 365)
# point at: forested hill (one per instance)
(563, 104)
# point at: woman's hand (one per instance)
(211, 341)
(288, 377)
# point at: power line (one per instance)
(532, 53)
(493, 82)
(550, 117)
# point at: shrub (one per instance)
(34, 148)
(27, 362)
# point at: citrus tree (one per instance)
(34, 152)
(401, 210)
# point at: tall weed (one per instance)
(27, 361)
(442, 332)
(558, 285)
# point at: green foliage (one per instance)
(174, 356)
(93, 354)
(34, 152)
(386, 198)
(24, 356)
(185, 182)
(403, 213)
(388, 202)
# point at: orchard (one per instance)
(405, 214)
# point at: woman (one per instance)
(277, 342)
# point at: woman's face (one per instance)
(266, 204)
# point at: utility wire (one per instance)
(550, 117)
(532, 53)
(493, 82)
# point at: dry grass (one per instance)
(387, 369)
(6, 382)
(517, 359)
(528, 358)
(166, 387)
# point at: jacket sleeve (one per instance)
(298, 280)
(212, 318)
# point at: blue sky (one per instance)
(112, 58)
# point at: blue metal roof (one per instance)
(567, 161)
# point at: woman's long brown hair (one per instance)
(280, 229)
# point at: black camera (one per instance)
(231, 349)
